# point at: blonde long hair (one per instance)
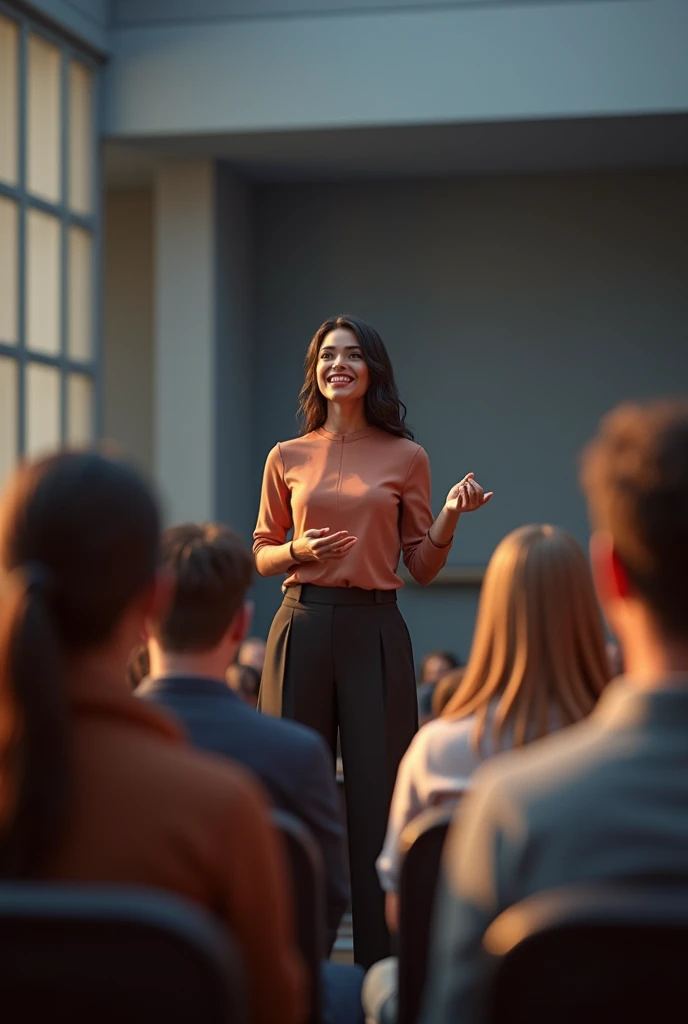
(538, 647)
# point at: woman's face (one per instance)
(341, 370)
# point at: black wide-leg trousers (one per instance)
(341, 658)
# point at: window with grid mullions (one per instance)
(48, 242)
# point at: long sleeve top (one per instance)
(372, 484)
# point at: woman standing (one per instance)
(355, 490)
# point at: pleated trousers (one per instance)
(341, 659)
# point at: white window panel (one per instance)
(42, 409)
(9, 257)
(43, 283)
(80, 309)
(9, 392)
(44, 127)
(79, 409)
(80, 138)
(9, 100)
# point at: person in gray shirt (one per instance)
(606, 800)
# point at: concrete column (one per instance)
(202, 343)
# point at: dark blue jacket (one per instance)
(293, 763)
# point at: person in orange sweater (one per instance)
(95, 785)
(354, 492)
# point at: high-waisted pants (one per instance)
(341, 658)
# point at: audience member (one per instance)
(433, 667)
(537, 663)
(191, 647)
(96, 786)
(252, 653)
(445, 690)
(245, 682)
(608, 800)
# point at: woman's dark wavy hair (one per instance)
(383, 407)
(79, 541)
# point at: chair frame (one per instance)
(415, 928)
(309, 905)
(32, 913)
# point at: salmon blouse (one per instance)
(372, 484)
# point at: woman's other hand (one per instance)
(467, 495)
(321, 545)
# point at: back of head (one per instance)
(79, 539)
(538, 652)
(213, 570)
(635, 475)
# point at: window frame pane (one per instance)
(79, 340)
(83, 102)
(9, 131)
(9, 442)
(75, 435)
(43, 161)
(9, 274)
(43, 283)
(35, 446)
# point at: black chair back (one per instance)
(421, 847)
(591, 955)
(308, 881)
(80, 954)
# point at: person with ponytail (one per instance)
(95, 785)
(340, 506)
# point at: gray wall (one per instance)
(516, 311)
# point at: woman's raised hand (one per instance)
(467, 495)
(321, 545)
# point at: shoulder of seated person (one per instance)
(299, 739)
(213, 778)
(441, 731)
(544, 766)
(294, 731)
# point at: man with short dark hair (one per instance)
(190, 650)
(605, 800)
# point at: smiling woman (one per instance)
(355, 490)
(347, 360)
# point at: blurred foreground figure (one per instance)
(95, 785)
(608, 799)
